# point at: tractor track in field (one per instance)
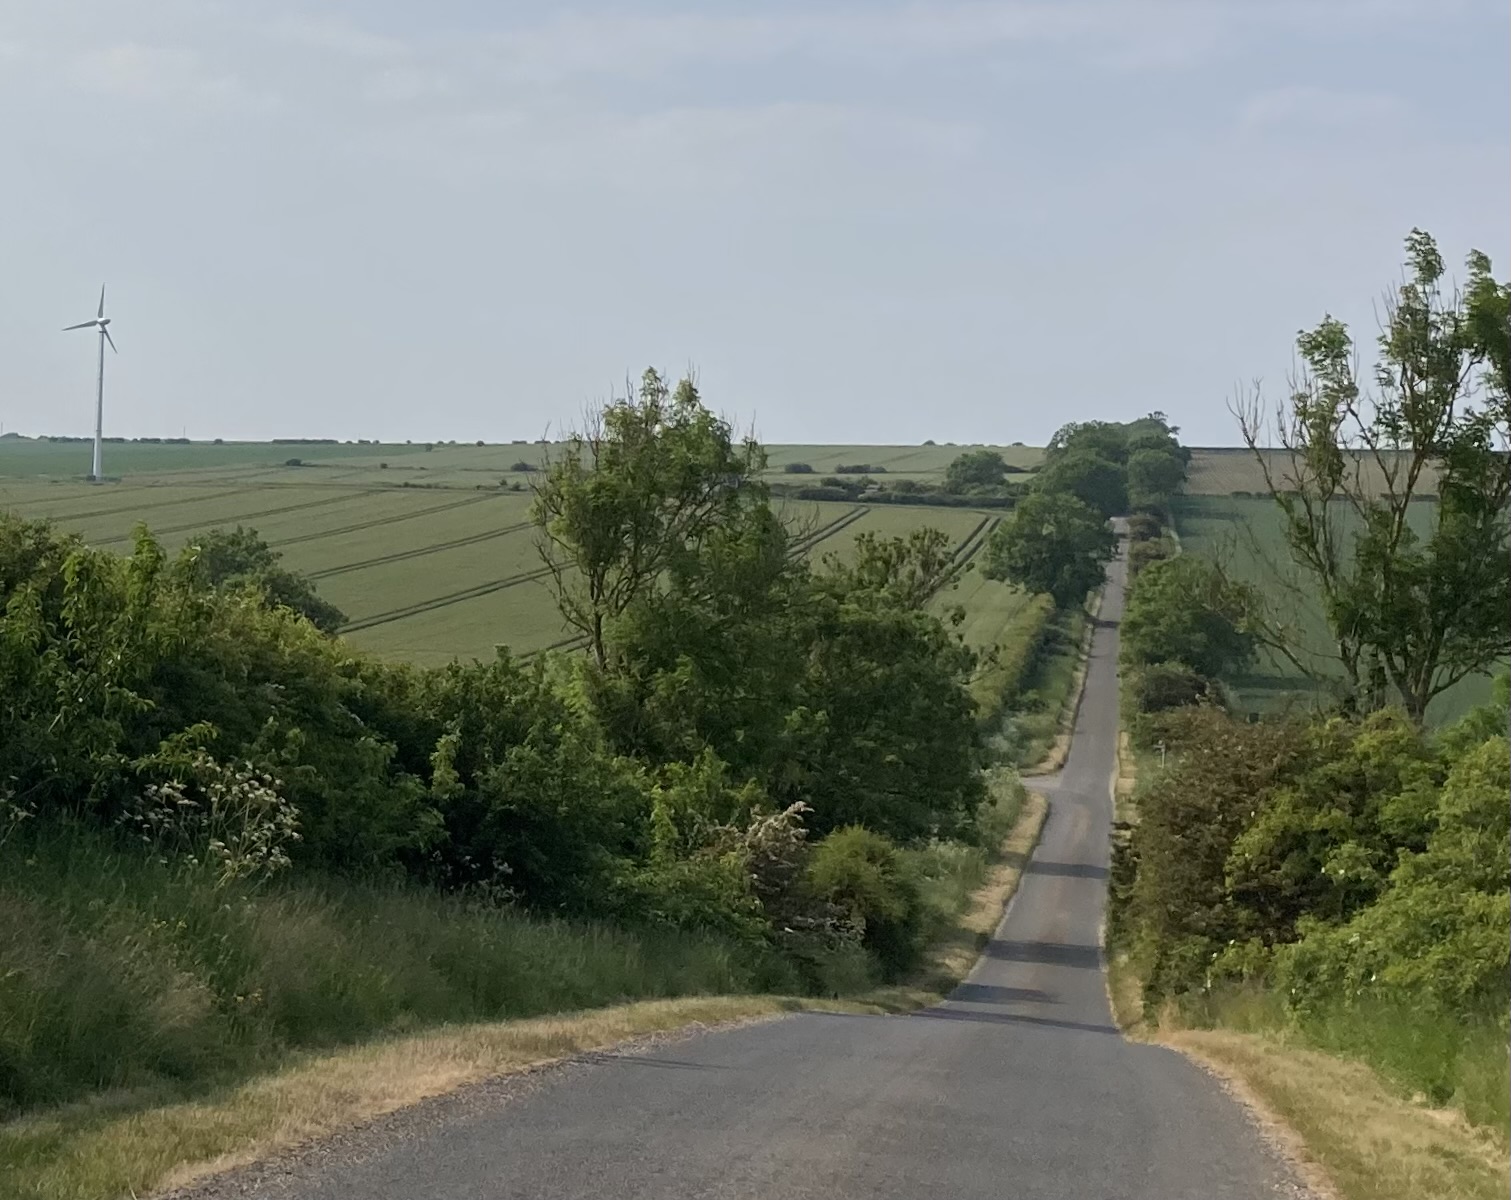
(378, 522)
(123, 510)
(577, 641)
(471, 539)
(239, 518)
(805, 544)
(457, 597)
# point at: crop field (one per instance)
(432, 561)
(429, 559)
(1245, 534)
(1236, 472)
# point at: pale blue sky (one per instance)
(862, 222)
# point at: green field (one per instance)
(429, 559)
(1245, 533)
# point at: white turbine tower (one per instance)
(99, 322)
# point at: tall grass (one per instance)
(1448, 1060)
(117, 971)
(948, 874)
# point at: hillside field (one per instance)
(427, 556)
(432, 560)
(1245, 533)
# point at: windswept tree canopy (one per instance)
(1415, 597)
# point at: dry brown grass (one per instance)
(89, 1151)
(1126, 782)
(1348, 1127)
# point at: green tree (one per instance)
(1105, 439)
(883, 731)
(1441, 931)
(237, 558)
(1416, 608)
(1052, 543)
(632, 495)
(1154, 476)
(1184, 611)
(910, 569)
(1097, 482)
(861, 873)
(975, 469)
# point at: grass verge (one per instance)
(1034, 713)
(957, 941)
(167, 1133)
(1368, 1142)
(111, 1147)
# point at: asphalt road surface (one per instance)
(1019, 1085)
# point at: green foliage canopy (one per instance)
(1054, 544)
(1184, 611)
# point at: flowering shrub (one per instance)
(231, 818)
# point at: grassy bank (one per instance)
(966, 889)
(120, 972)
(1029, 702)
(153, 1028)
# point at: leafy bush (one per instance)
(1340, 862)
(861, 873)
(1183, 610)
(1158, 687)
(524, 468)
(1099, 483)
(859, 469)
(1441, 931)
(826, 492)
(235, 559)
(1145, 554)
(797, 468)
(1154, 476)
(1144, 527)
(1052, 544)
(975, 469)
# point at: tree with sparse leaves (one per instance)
(638, 490)
(1414, 596)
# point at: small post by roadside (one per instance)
(1160, 746)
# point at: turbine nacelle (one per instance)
(99, 323)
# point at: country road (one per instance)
(1019, 1085)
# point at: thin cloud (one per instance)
(1317, 107)
(338, 37)
(135, 71)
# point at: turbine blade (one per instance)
(109, 339)
(81, 325)
(102, 300)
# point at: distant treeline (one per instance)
(155, 441)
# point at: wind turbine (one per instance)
(100, 322)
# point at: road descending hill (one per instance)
(1018, 1085)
